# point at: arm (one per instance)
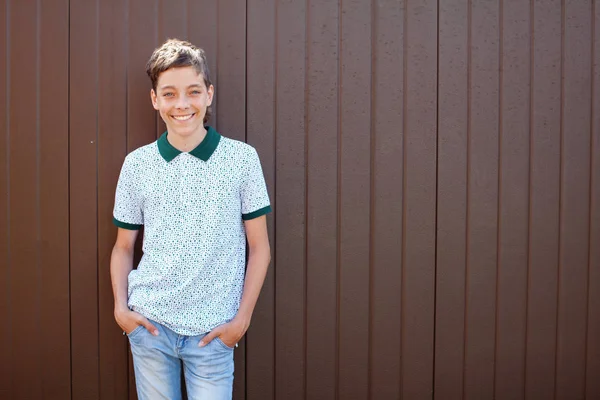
(121, 264)
(258, 261)
(259, 258)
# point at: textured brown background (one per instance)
(433, 165)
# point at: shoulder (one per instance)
(238, 150)
(139, 163)
(141, 156)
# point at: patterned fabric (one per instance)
(191, 275)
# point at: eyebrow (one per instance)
(195, 85)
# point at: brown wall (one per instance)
(434, 168)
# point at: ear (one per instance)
(153, 98)
(211, 93)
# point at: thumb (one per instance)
(151, 328)
(209, 337)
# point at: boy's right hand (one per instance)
(129, 320)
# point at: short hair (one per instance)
(175, 53)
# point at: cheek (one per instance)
(163, 112)
(164, 107)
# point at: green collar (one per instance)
(203, 151)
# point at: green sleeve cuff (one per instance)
(257, 213)
(124, 225)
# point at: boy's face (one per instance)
(182, 98)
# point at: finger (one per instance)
(146, 324)
(209, 337)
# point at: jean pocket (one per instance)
(135, 331)
(218, 340)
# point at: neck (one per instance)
(189, 142)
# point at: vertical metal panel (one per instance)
(260, 131)
(53, 66)
(355, 184)
(452, 199)
(482, 183)
(202, 22)
(24, 234)
(452, 189)
(143, 39)
(386, 194)
(513, 223)
(83, 138)
(112, 147)
(231, 65)
(593, 312)
(418, 275)
(322, 216)
(544, 201)
(574, 201)
(291, 201)
(172, 19)
(6, 370)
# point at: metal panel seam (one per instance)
(530, 187)
(467, 202)
(591, 197)
(499, 178)
(372, 199)
(560, 190)
(404, 141)
(306, 188)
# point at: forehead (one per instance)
(180, 77)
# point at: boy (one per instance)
(199, 197)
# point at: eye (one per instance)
(195, 92)
(168, 94)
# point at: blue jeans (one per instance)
(157, 362)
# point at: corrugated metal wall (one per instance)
(434, 167)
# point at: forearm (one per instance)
(121, 264)
(258, 262)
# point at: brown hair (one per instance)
(175, 53)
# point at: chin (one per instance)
(184, 131)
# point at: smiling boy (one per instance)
(199, 196)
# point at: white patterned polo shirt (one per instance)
(192, 206)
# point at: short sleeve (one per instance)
(127, 213)
(254, 195)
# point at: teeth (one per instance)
(182, 117)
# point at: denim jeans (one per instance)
(157, 362)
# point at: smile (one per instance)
(183, 117)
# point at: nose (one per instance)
(182, 102)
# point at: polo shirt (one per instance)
(192, 206)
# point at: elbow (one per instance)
(123, 249)
(268, 253)
(262, 251)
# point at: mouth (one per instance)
(183, 117)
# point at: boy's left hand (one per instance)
(230, 333)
